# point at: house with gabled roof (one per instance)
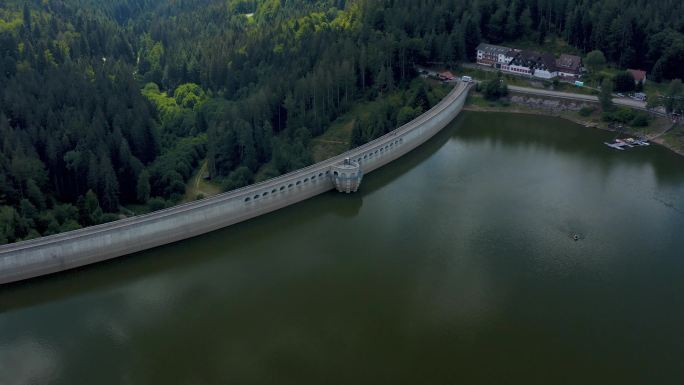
(546, 66)
(639, 76)
(523, 63)
(569, 66)
(447, 76)
(532, 63)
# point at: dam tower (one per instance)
(347, 176)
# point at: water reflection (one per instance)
(25, 361)
(534, 133)
(455, 258)
(346, 205)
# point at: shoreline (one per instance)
(64, 251)
(586, 123)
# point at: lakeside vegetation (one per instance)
(634, 123)
(113, 108)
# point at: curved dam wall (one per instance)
(69, 250)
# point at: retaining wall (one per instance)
(65, 251)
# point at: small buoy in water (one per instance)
(576, 237)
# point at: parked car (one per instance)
(640, 96)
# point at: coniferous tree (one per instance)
(77, 112)
(143, 187)
(606, 95)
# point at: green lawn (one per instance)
(675, 138)
(337, 138)
(198, 186)
(567, 87)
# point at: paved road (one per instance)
(627, 102)
(581, 97)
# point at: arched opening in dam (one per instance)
(456, 263)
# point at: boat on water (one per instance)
(622, 144)
(614, 145)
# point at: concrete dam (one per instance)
(60, 252)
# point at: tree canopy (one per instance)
(109, 105)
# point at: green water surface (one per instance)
(453, 265)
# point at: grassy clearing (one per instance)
(674, 139)
(337, 138)
(656, 125)
(199, 187)
(566, 87)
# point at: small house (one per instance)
(639, 76)
(569, 66)
(446, 76)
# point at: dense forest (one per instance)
(106, 105)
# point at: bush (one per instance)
(69, 226)
(494, 89)
(241, 177)
(407, 114)
(156, 204)
(624, 82)
(586, 111)
(621, 115)
(624, 115)
(640, 120)
(109, 217)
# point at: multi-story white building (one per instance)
(494, 55)
(533, 63)
(530, 63)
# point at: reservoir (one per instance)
(453, 264)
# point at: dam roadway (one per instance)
(60, 252)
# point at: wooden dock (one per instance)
(622, 144)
